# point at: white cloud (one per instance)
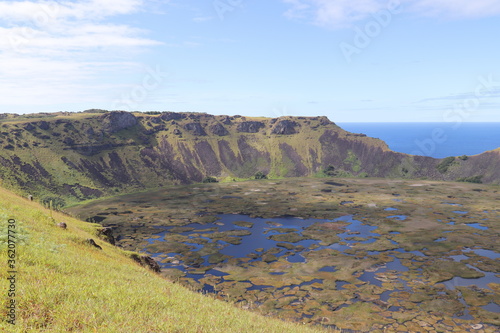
(456, 9)
(338, 13)
(32, 11)
(61, 51)
(203, 18)
(342, 13)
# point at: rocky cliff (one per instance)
(85, 155)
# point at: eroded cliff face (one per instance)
(86, 155)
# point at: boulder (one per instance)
(107, 235)
(150, 263)
(147, 262)
(92, 242)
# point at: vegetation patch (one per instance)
(472, 179)
(445, 164)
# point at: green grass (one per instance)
(353, 161)
(445, 164)
(65, 285)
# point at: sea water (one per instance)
(437, 140)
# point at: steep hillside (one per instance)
(60, 283)
(77, 156)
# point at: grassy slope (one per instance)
(65, 285)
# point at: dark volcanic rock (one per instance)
(117, 120)
(89, 131)
(250, 126)
(147, 261)
(29, 127)
(151, 263)
(195, 129)
(226, 120)
(324, 121)
(219, 130)
(79, 191)
(107, 235)
(167, 116)
(92, 242)
(68, 141)
(285, 127)
(43, 125)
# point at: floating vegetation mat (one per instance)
(328, 253)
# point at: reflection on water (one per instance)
(478, 282)
(485, 253)
(256, 242)
(296, 258)
(452, 204)
(260, 230)
(328, 269)
(493, 307)
(477, 226)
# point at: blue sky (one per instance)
(351, 60)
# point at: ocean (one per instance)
(437, 140)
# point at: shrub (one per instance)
(260, 175)
(464, 157)
(95, 111)
(53, 202)
(472, 179)
(210, 180)
(330, 171)
(445, 164)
